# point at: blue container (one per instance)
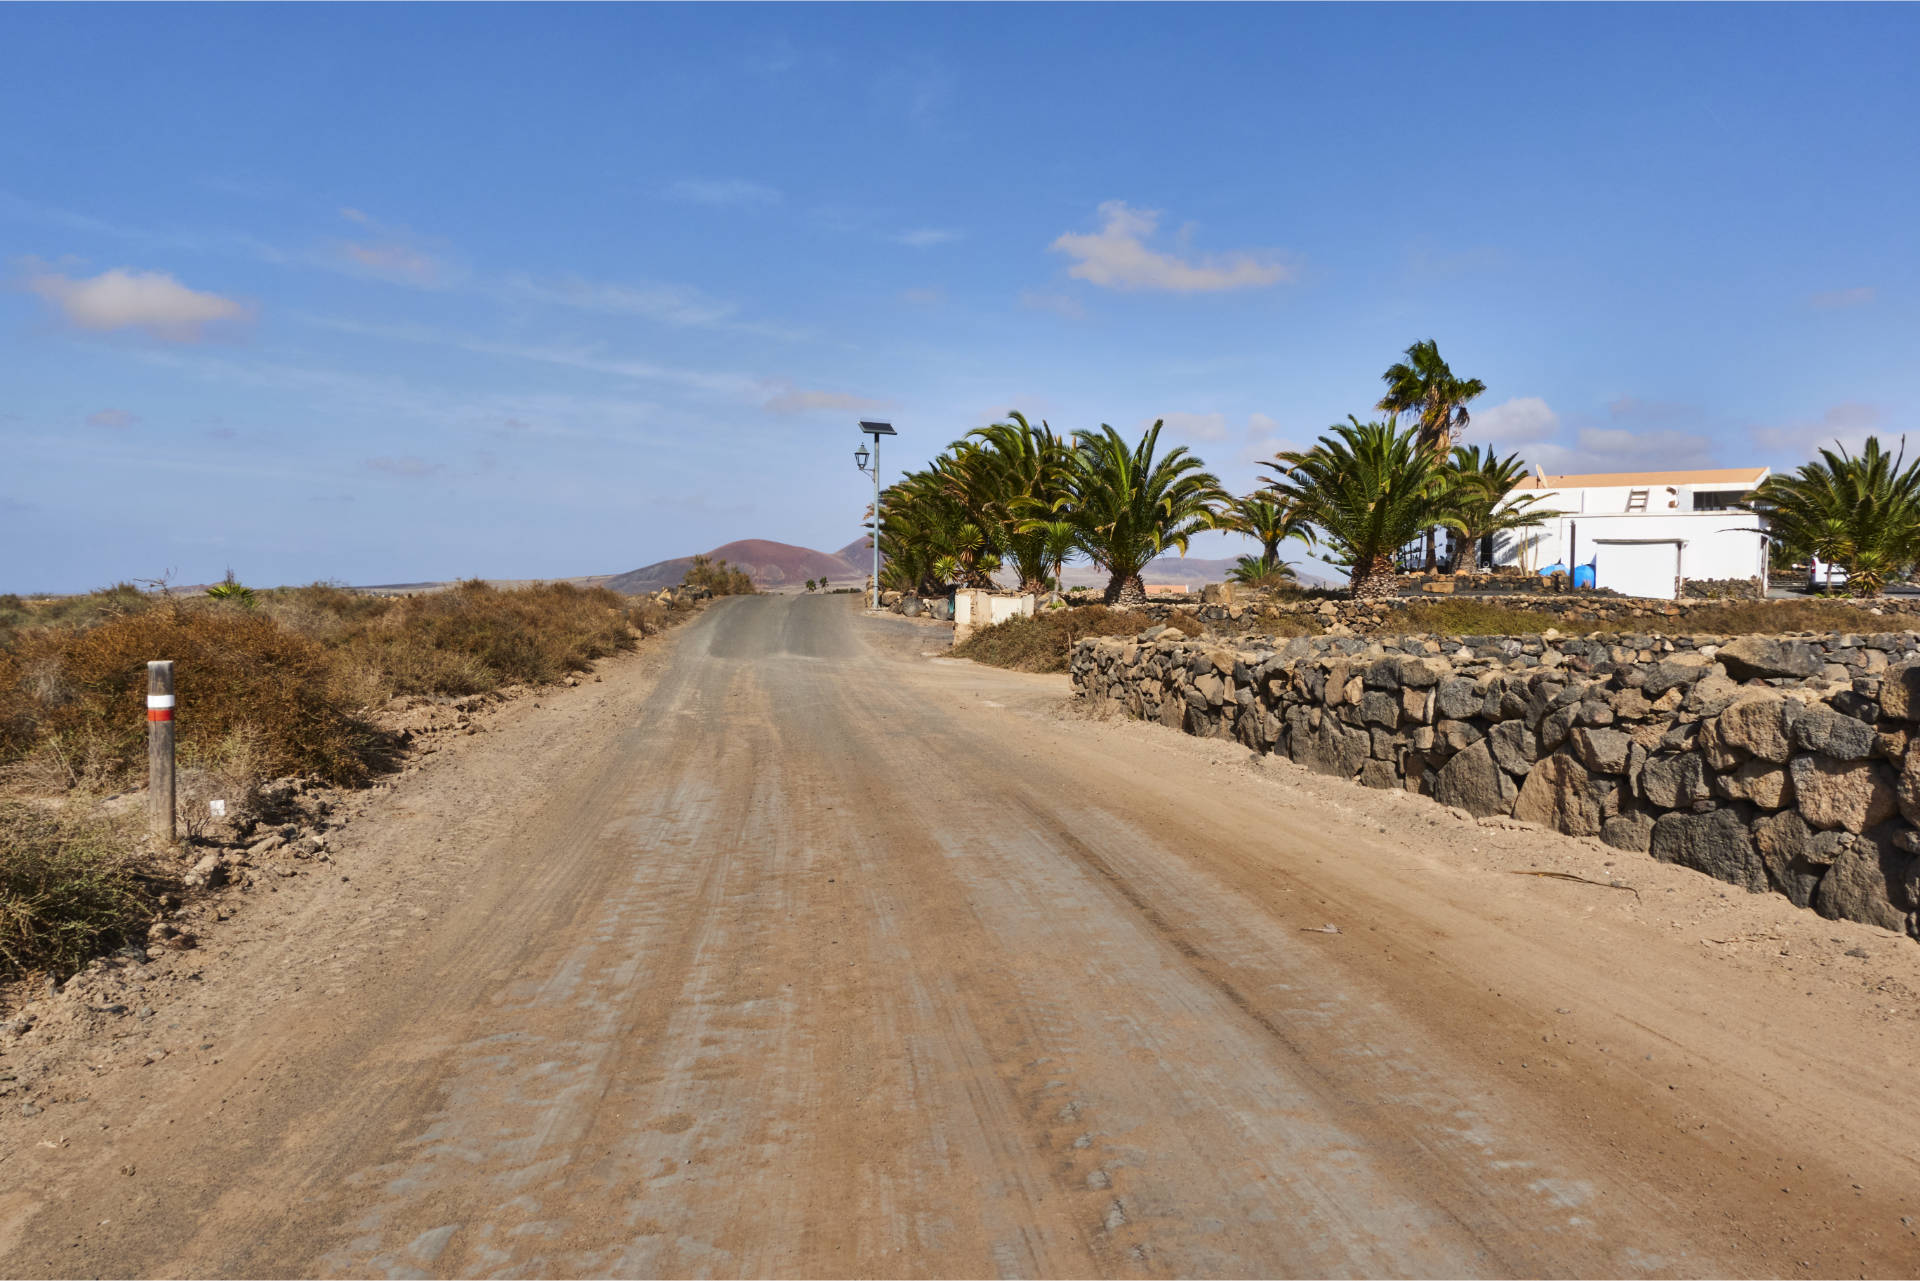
(1551, 570)
(1583, 575)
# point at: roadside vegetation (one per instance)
(272, 683)
(1020, 501)
(1044, 642)
(69, 891)
(718, 578)
(290, 676)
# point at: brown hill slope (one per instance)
(769, 564)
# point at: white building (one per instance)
(1644, 532)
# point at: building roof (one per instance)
(1648, 479)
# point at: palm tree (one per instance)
(1128, 506)
(1424, 384)
(1859, 512)
(1263, 571)
(1485, 501)
(929, 537)
(1269, 519)
(1015, 474)
(1058, 537)
(1369, 488)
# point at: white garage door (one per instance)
(1637, 569)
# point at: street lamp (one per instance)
(875, 430)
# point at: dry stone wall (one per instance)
(1772, 763)
(1567, 610)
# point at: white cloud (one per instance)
(1202, 427)
(1832, 299)
(407, 466)
(923, 297)
(927, 237)
(1520, 421)
(112, 418)
(1264, 440)
(396, 262)
(1058, 304)
(1117, 257)
(797, 400)
(1847, 424)
(151, 301)
(723, 192)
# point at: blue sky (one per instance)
(385, 293)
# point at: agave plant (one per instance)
(1130, 504)
(1861, 512)
(1370, 489)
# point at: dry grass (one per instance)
(1464, 616)
(1042, 643)
(68, 892)
(288, 684)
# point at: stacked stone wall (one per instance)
(1772, 763)
(1568, 608)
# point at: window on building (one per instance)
(1717, 500)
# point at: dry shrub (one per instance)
(475, 638)
(1774, 616)
(1044, 642)
(1463, 616)
(68, 892)
(234, 670)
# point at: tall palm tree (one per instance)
(1369, 488)
(1128, 505)
(1860, 512)
(1423, 383)
(1014, 472)
(1485, 499)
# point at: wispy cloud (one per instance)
(406, 465)
(1210, 428)
(1519, 421)
(927, 237)
(1059, 304)
(923, 297)
(797, 400)
(723, 192)
(392, 253)
(150, 301)
(1847, 424)
(1834, 299)
(1117, 257)
(116, 418)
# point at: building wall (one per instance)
(1715, 545)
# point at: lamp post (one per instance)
(875, 430)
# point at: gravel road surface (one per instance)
(789, 949)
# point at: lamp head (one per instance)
(860, 456)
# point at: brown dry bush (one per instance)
(474, 638)
(68, 891)
(1044, 642)
(235, 670)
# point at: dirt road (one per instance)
(795, 951)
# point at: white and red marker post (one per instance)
(160, 749)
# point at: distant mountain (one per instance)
(769, 564)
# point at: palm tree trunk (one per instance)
(1373, 580)
(1126, 591)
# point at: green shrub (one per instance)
(68, 892)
